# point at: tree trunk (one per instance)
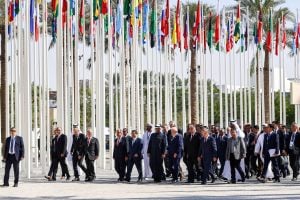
(193, 87)
(3, 85)
(267, 86)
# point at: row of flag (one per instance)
(135, 15)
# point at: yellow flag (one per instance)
(174, 34)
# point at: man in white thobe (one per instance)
(146, 138)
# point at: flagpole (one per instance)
(249, 72)
(35, 116)
(183, 72)
(84, 128)
(221, 121)
(280, 79)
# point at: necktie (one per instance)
(191, 137)
(12, 144)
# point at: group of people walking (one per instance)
(209, 153)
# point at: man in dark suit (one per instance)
(270, 152)
(13, 154)
(235, 151)
(91, 154)
(221, 150)
(61, 154)
(207, 154)
(190, 154)
(156, 152)
(292, 148)
(251, 150)
(175, 148)
(135, 156)
(120, 154)
(77, 151)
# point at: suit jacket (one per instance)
(120, 150)
(251, 143)
(221, 146)
(175, 146)
(91, 148)
(296, 142)
(282, 144)
(61, 145)
(78, 144)
(19, 147)
(135, 148)
(239, 146)
(191, 146)
(208, 149)
(271, 141)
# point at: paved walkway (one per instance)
(106, 187)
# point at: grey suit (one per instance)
(235, 151)
(240, 148)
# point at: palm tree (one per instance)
(266, 6)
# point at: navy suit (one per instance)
(221, 151)
(135, 157)
(208, 151)
(13, 159)
(77, 149)
(120, 152)
(175, 146)
(271, 141)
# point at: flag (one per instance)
(11, 12)
(178, 30)
(294, 48)
(259, 28)
(174, 34)
(237, 29)
(81, 17)
(277, 39)
(145, 20)
(224, 30)
(153, 26)
(228, 42)
(283, 33)
(127, 8)
(64, 11)
(163, 27)
(31, 18)
(209, 33)
(37, 24)
(54, 6)
(204, 35)
(96, 9)
(186, 33)
(72, 7)
(246, 37)
(242, 39)
(104, 7)
(254, 34)
(167, 18)
(119, 19)
(217, 31)
(269, 34)
(17, 7)
(196, 31)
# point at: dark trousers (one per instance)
(156, 165)
(294, 163)
(11, 160)
(247, 164)
(274, 160)
(51, 170)
(174, 166)
(207, 169)
(138, 164)
(192, 167)
(64, 167)
(120, 167)
(254, 167)
(90, 168)
(235, 164)
(78, 162)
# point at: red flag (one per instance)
(260, 27)
(64, 11)
(104, 7)
(37, 29)
(81, 17)
(217, 29)
(185, 33)
(167, 18)
(277, 39)
(198, 15)
(269, 35)
(283, 33)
